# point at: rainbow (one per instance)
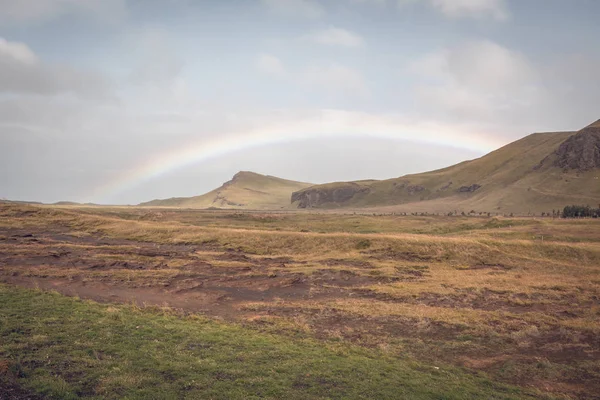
(335, 124)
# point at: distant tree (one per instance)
(576, 211)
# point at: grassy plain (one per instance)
(298, 304)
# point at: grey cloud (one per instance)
(496, 9)
(479, 81)
(303, 8)
(490, 85)
(157, 62)
(16, 12)
(337, 78)
(271, 65)
(334, 36)
(22, 72)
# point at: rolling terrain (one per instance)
(124, 302)
(246, 190)
(539, 173)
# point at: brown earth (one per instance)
(261, 291)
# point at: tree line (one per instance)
(580, 212)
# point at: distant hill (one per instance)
(538, 173)
(20, 202)
(246, 190)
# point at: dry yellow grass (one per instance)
(483, 292)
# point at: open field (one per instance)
(226, 304)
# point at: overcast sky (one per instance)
(122, 101)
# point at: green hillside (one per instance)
(246, 190)
(521, 177)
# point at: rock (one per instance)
(581, 151)
(413, 189)
(445, 187)
(315, 197)
(469, 189)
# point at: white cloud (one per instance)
(336, 37)
(304, 8)
(271, 65)
(472, 8)
(370, 2)
(22, 72)
(157, 61)
(496, 9)
(13, 12)
(479, 80)
(19, 52)
(338, 78)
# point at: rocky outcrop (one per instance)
(318, 196)
(469, 189)
(445, 187)
(408, 188)
(581, 151)
(221, 200)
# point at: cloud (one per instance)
(472, 8)
(336, 77)
(19, 52)
(271, 65)
(370, 2)
(304, 8)
(496, 9)
(157, 62)
(15, 12)
(336, 37)
(503, 91)
(332, 78)
(476, 80)
(22, 72)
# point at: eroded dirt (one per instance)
(226, 283)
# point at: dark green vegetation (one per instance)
(580, 212)
(66, 348)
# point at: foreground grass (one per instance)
(66, 348)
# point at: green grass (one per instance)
(67, 348)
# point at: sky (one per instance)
(124, 101)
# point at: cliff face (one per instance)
(317, 196)
(581, 151)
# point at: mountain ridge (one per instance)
(522, 176)
(537, 173)
(245, 190)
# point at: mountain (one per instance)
(246, 190)
(538, 173)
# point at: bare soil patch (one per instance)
(524, 331)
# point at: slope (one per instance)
(523, 176)
(246, 190)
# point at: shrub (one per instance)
(576, 211)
